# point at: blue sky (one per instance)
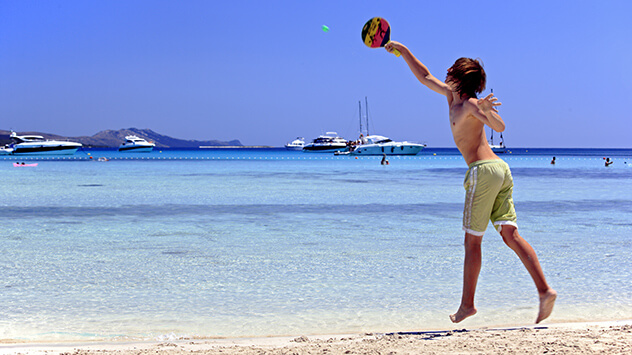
(264, 72)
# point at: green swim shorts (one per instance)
(488, 185)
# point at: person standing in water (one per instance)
(488, 182)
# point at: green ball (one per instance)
(325, 28)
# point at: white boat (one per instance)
(37, 145)
(327, 143)
(497, 148)
(379, 145)
(296, 144)
(136, 144)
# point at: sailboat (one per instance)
(497, 148)
(380, 145)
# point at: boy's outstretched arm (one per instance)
(419, 69)
(485, 110)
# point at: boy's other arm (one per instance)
(485, 111)
(419, 69)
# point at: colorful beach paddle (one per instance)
(376, 33)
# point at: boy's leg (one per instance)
(530, 260)
(471, 270)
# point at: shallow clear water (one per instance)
(228, 242)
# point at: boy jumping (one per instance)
(488, 182)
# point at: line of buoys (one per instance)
(341, 158)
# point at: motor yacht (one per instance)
(296, 144)
(37, 145)
(379, 145)
(136, 144)
(327, 143)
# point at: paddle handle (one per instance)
(396, 52)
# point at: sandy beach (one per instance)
(567, 338)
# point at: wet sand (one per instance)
(568, 338)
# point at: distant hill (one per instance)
(112, 138)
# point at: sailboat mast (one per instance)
(491, 130)
(366, 106)
(502, 140)
(360, 114)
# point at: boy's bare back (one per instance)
(468, 131)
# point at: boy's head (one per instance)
(467, 77)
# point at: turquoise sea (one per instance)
(261, 242)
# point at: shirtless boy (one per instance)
(488, 181)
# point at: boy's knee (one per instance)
(472, 240)
(509, 234)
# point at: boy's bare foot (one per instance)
(461, 314)
(547, 300)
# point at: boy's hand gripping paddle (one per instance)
(376, 33)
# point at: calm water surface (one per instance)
(222, 242)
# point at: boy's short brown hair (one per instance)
(468, 76)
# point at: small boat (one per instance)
(379, 145)
(37, 145)
(136, 144)
(497, 148)
(327, 143)
(24, 164)
(296, 144)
